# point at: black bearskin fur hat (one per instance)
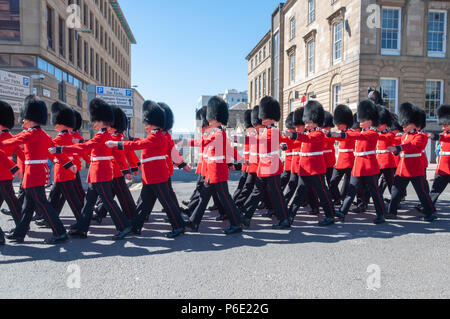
(343, 115)
(255, 116)
(356, 125)
(385, 116)
(409, 113)
(395, 124)
(120, 119)
(290, 121)
(248, 119)
(269, 108)
(78, 120)
(328, 120)
(367, 110)
(217, 110)
(6, 115)
(200, 116)
(314, 112)
(35, 110)
(443, 113)
(298, 117)
(101, 111)
(63, 114)
(169, 116)
(153, 114)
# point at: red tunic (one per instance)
(6, 161)
(77, 156)
(254, 151)
(411, 161)
(329, 152)
(269, 152)
(366, 163)
(246, 153)
(444, 156)
(289, 153)
(312, 161)
(36, 144)
(385, 158)
(346, 156)
(119, 161)
(424, 154)
(173, 156)
(61, 174)
(397, 141)
(297, 147)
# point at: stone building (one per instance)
(63, 52)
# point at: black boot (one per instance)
(175, 233)
(2, 237)
(56, 239)
(233, 230)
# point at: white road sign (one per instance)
(14, 88)
(117, 96)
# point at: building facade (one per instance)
(233, 97)
(65, 52)
(334, 50)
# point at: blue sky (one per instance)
(189, 48)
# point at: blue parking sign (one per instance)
(26, 82)
(128, 92)
(99, 89)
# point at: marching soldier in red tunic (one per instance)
(343, 119)
(36, 143)
(412, 167)
(329, 151)
(384, 156)
(366, 169)
(287, 147)
(100, 172)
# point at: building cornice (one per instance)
(288, 5)
(123, 20)
(338, 14)
(259, 45)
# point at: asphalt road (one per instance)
(407, 258)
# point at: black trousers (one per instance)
(329, 175)
(123, 194)
(148, 197)
(269, 186)
(7, 194)
(105, 192)
(63, 191)
(247, 189)
(225, 200)
(439, 185)
(240, 185)
(194, 202)
(307, 185)
(419, 184)
(284, 179)
(336, 178)
(35, 200)
(79, 187)
(291, 187)
(365, 182)
(387, 179)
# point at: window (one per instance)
(310, 57)
(61, 35)
(97, 76)
(264, 54)
(291, 105)
(259, 86)
(311, 11)
(434, 97)
(437, 33)
(292, 33)
(71, 37)
(336, 95)
(86, 63)
(91, 23)
(85, 14)
(292, 68)
(391, 30)
(79, 48)
(10, 20)
(264, 83)
(256, 89)
(390, 91)
(49, 19)
(276, 50)
(337, 41)
(251, 92)
(92, 62)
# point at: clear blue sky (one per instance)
(189, 48)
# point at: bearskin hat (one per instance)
(367, 110)
(217, 110)
(200, 116)
(169, 116)
(153, 114)
(328, 120)
(385, 116)
(410, 114)
(356, 125)
(78, 120)
(248, 119)
(395, 124)
(269, 108)
(63, 114)
(423, 118)
(298, 117)
(6, 115)
(443, 113)
(314, 112)
(35, 110)
(255, 116)
(343, 115)
(101, 111)
(290, 121)
(120, 119)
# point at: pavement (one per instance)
(405, 258)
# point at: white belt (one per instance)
(57, 160)
(444, 153)
(327, 151)
(383, 152)
(269, 154)
(11, 158)
(246, 153)
(36, 162)
(410, 155)
(106, 158)
(346, 150)
(290, 154)
(155, 158)
(216, 158)
(366, 153)
(253, 154)
(311, 154)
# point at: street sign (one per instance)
(120, 97)
(14, 88)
